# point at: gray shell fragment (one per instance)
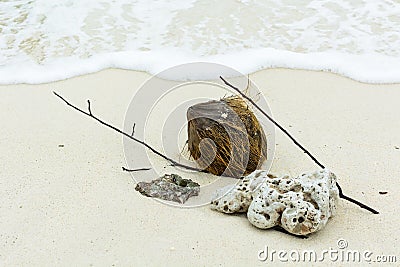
(301, 205)
(169, 187)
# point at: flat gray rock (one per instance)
(169, 187)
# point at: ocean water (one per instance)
(48, 40)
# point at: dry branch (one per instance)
(90, 114)
(135, 170)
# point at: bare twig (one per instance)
(89, 113)
(89, 109)
(341, 194)
(274, 122)
(133, 129)
(135, 170)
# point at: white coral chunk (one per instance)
(238, 198)
(301, 205)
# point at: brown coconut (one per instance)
(225, 137)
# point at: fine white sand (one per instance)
(73, 205)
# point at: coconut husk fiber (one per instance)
(225, 137)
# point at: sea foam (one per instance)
(44, 40)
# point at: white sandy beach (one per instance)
(73, 205)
